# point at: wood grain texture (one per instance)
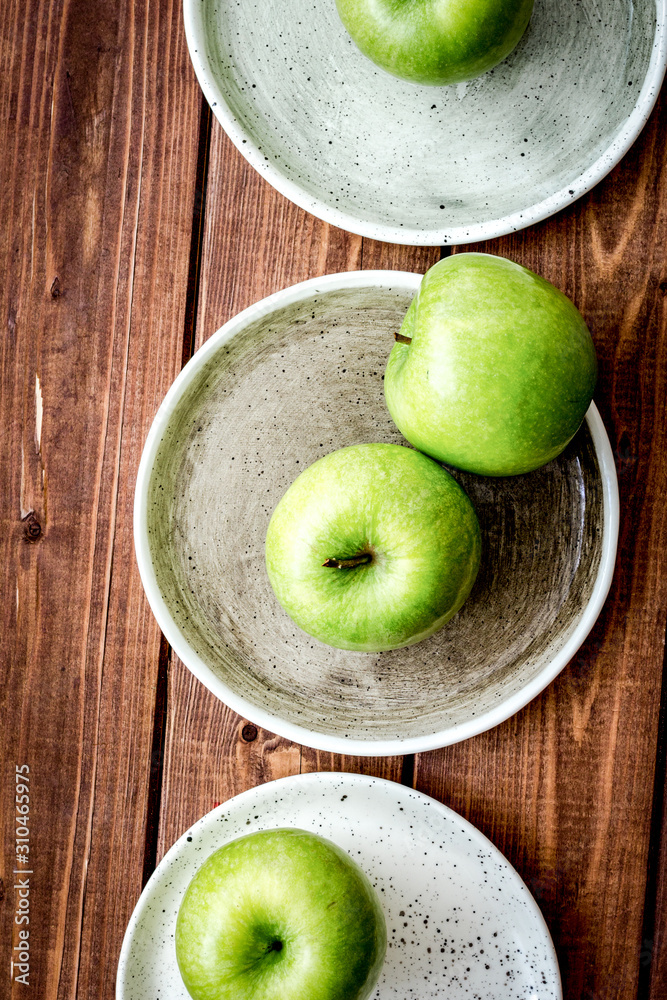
(653, 960)
(96, 193)
(565, 788)
(256, 242)
(98, 175)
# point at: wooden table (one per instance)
(131, 230)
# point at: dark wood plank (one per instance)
(101, 112)
(653, 958)
(390, 768)
(565, 788)
(381, 256)
(256, 243)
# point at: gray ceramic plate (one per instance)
(293, 377)
(429, 165)
(460, 921)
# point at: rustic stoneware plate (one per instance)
(429, 165)
(297, 375)
(460, 922)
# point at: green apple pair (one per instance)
(375, 546)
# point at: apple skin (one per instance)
(436, 41)
(500, 371)
(408, 514)
(280, 915)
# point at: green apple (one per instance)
(436, 41)
(494, 368)
(280, 915)
(373, 547)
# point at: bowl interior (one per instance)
(388, 157)
(285, 389)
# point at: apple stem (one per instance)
(402, 339)
(358, 560)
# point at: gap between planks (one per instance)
(189, 329)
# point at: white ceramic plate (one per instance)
(295, 376)
(429, 165)
(460, 921)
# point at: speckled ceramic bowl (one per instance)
(429, 165)
(293, 377)
(460, 922)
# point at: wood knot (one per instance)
(32, 529)
(249, 732)
(55, 288)
(663, 287)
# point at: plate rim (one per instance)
(193, 18)
(331, 777)
(505, 709)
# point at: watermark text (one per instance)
(20, 961)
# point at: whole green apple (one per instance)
(280, 915)
(373, 547)
(436, 41)
(494, 368)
